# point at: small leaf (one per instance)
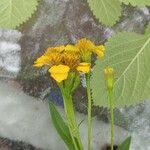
(137, 2)
(15, 12)
(129, 55)
(61, 126)
(107, 11)
(125, 145)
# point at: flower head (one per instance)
(87, 47)
(71, 56)
(61, 60)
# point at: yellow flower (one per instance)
(59, 73)
(84, 67)
(71, 56)
(71, 60)
(55, 54)
(87, 47)
(63, 59)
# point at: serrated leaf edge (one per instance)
(26, 18)
(133, 4)
(110, 25)
(29, 17)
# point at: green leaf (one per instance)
(15, 12)
(61, 127)
(125, 145)
(147, 29)
(107, 11)
(137, 2)
(129, 55)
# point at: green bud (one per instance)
(109, 74)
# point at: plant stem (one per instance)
(70, 115)
(69, 120)
(89, 108)
(112, 118)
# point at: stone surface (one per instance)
(137, 120)
(133, 20)
(6, 144)
(23, 118)
(10, 51)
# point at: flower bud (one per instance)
(109, 74)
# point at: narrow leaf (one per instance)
(61, 126)
(125, 145)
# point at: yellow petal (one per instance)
(59, 73)
(84, 67)
(41, 61)
(85, 44)
(55, 49)
(101, 48)
(99, 53)
(71, 48)
(60, 48)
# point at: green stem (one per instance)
(112, 119)
(89, 109)
(71, 119)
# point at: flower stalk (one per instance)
(87, 48)
(70, 116)
(89, 108)
(112, 119)
(110, 83)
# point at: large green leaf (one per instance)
(129, 55)
(107, 11)
(125, 145)
(61, 126)
(15, 12)
(137, 2)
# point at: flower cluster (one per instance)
(70, 58)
